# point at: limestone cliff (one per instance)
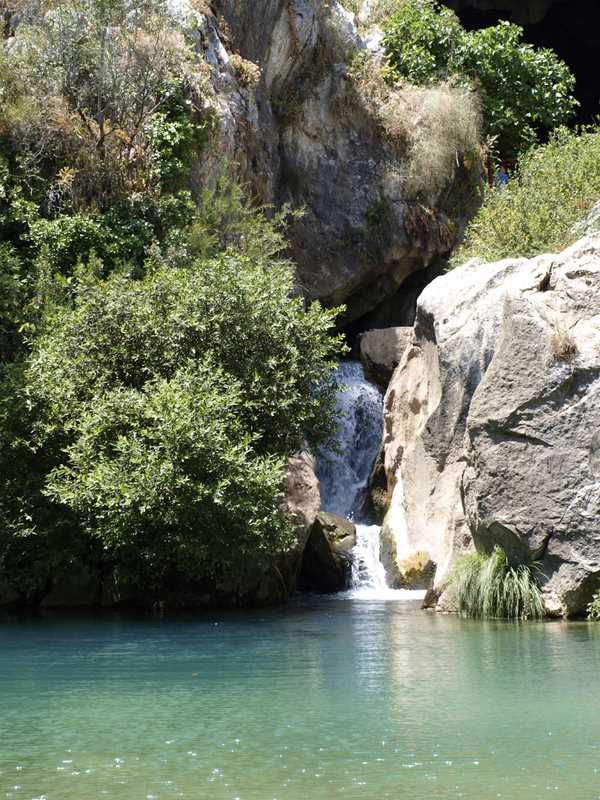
(289, 118)
(492, 421)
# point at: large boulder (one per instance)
(381, 351)
(302, 504)
(327, 559)
(492, 421)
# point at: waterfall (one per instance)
(344, 475)
(344, 471)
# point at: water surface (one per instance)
(331, 698)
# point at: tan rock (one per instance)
(381, 351)
(491, 424)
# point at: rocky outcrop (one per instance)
(302, 504)
(492, 420)
(299, 134)
(381, 351)
(327, 559)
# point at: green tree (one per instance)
(420, 38)
(525, 91)
(169, 405)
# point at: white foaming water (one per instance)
(344, 477)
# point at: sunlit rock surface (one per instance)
(298, 136)
(492, 421)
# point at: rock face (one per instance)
(381, 351)
(298, 136)
(327, 560)
(302, 504)
(492, 421)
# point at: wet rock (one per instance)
(327, 561)
(381, 351)
(415, 571)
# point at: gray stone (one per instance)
(381, 351)
(300, 137)
(492, 420)
(327, 560)
(8, 595)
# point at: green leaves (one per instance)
(171, 403)
(170, 469)
(420, 38)
(553, 189)
(524, 91)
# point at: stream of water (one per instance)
(344, 472)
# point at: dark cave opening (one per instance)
(569, 27)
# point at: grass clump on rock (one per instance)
(488, 587)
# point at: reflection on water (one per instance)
(324, 699)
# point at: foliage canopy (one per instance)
(554, 187)
(157, 364)
(525, 91)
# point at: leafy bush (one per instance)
(168, 405)
(88, 93)
(420, 40)
(169, 474)
(524, 91)
(593, 609)
(488, 587)
(554, 187)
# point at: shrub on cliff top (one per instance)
(488, 587)
(88, 91)
(524, 90)
(435, 129)
(554, 188)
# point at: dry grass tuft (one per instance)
(562, 343)
(247, 72)
(436, 130)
